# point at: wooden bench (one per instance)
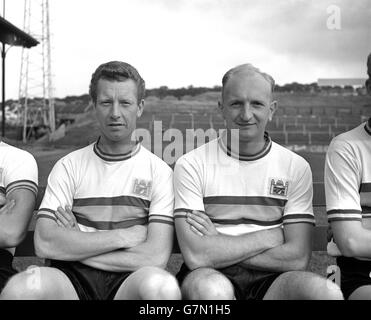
(26, 248)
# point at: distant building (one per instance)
(353, 82)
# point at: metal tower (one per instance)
(36, 98)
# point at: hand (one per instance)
(201, 224)
(66, 219)
(133, 236)
(6, 206)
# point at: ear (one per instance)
(140, 108)
(272, 109)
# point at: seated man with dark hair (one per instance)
(106, 220)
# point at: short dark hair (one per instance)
(116, 71)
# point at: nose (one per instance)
(115, 111)
(246, 112)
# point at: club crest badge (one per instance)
(278, 187)
(142, 187)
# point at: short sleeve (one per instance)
(161, 209)
(342, 182)
(59, 190)
(187, 187)
(298, 208)
(21, 173)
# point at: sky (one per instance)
(177, 43)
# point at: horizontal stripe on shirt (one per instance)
(110, 225)
(365, 187)
(110, 213)
(255, 212)
(286, 219)
(113, 201)
(243, 200)
(22, 184)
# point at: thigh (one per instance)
(5, 275)
(355, 277)
(361, 293)
(249, 284)
(6, 269)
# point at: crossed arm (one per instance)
(111, 250)
(203, 246)
(271, 250)
(15, 216)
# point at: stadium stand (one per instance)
(319, 138)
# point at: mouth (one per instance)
(116, 125)
(245, 124)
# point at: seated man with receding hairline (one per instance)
(243, 206)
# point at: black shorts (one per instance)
(354, 273)
(248, 284)
(91, 283)
(6, 269)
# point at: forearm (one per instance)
(72, 245)
(15, 215)
(222, 250)
(12, 231)
(286, 257)
(129, 259)
(356, 244)
(10, 235)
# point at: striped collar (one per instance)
(368, 126)
(115, 157)
(267, 147)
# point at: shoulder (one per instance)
(348, 145)
(288, 156)
(14, 156)
(76, 157)
(200, 154)
(156, 163)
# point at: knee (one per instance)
(24, 286)
(159, 284)
(209, 286)
(332, 292)
(322, 288)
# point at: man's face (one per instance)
(247, 105)
(117, 109)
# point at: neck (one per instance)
(115, 147)
(247, 148)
